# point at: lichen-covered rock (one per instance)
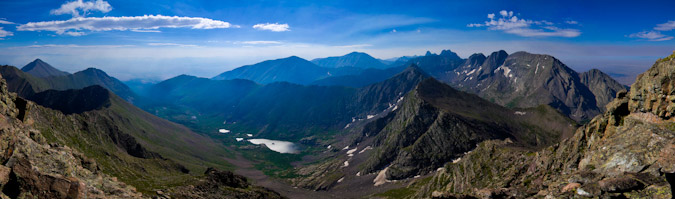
(619, 184)
(654, 90)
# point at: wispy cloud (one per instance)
(75, 7)
(146, 22)
(71, 46)
(259, 42)
(4, 33)
(511, 24)
(143, 30)
(668, 26)
(4, 21)
(572, 22)
(651, 36)
(274, 27)
(656, 35)
(171, 44)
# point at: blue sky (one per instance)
(158, 39)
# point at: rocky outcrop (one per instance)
(626, 152)
(221, 184)
(654, 91)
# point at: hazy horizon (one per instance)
(158, 40)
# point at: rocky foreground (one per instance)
(628, 152)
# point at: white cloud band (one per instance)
(146, 22)
(651, 36)
(275, 27)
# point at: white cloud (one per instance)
(4, 21)
(146, 22)
(72, 46)
(171, 44)
(75, 7)
(394, 30)
(275, 27)
(259, 42)
(74, 34)
(572, 22)
(524, 27)
(651, 36)
(668, 26)
(4, 33)
(143, 30)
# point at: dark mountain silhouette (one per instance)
(353, 59)
(39, 68)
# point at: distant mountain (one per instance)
(524, 80)
(366, 77)
(527, 80)
(78, 80)
(277, 110)
(437, 65)
(291, 69)
(353, 59)
(39, 68)
(601, 85)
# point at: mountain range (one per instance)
(433, 126)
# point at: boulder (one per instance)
(619, 184)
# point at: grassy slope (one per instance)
(89, 132)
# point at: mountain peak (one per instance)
(414, 69)
(428, 53)
(448, 53)
(40, 68)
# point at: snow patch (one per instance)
(329, 146)
(351, 151)
(364, 149)
(358, 174)
(341, 179)
(249, 135)
(520, 113)
(370, 117)
(346, 147)
(346, 164)
(455, 161)
(381, 177)
(223, 131)
(471, 72)
(239, 139)
(506, 70)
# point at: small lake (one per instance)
(277, 145)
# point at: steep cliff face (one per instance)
(626, 152)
